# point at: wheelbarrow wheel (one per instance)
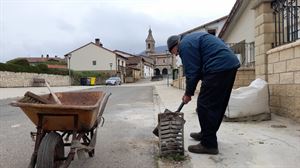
(51, 151)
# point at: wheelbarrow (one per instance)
(78, 116)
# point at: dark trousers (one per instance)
(212, 103)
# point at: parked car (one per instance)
(113, 81)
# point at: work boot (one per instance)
(199, 148)
(196, 135)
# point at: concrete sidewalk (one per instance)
(266, 144)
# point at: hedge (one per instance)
(40, 68)
(77, 75)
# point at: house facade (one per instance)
(141, 65)
(276, 57)
(241, 18)
(164, 63)
(276, 48)
(213, 27)
(148, 65)
(94, 57)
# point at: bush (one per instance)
(40, 68)
(22, 62)
(77, 75)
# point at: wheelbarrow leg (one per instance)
(72, 152)
(39, 137)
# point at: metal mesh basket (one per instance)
(170, 128)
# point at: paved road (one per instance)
(124, 141)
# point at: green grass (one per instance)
(174, 157)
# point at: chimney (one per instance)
(47, 56)
(98, 43)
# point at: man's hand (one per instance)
(186, 99)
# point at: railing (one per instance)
(245, 52)
(286, 18)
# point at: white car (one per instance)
(113, 81)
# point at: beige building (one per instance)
(239, 25)
(241, 18)
(275, 38)
(143, 64)
(213, 27)
(94, 57)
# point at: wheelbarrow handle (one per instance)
(180, 107)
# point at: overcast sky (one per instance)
(30, 28)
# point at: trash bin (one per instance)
(93, 81)
(83, 81)
(88, 81)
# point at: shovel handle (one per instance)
(180, 107)
(52, 93)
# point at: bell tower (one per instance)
(150, 43)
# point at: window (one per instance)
(122, 63)
(148, 46)
(286, 19)
(94, 62)
(212, 31)
(245, 52)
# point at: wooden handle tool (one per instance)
(52, 93)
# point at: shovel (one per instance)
(155, 131)
(57, 101)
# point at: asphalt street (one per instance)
(124, 141)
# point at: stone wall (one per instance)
(280, 66)
(284, 80)
(264, 36)
(11, 79)
(244, 77)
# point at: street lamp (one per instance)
(69, 63)
(110, 64)
(170, 59)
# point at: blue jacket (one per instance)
(202, 53)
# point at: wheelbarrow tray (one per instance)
(78, 111)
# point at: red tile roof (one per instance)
(57, 66)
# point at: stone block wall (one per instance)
(11, 79)
(284, 80)
(264, 36)
(244, 77)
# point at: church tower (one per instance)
(150, 43)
